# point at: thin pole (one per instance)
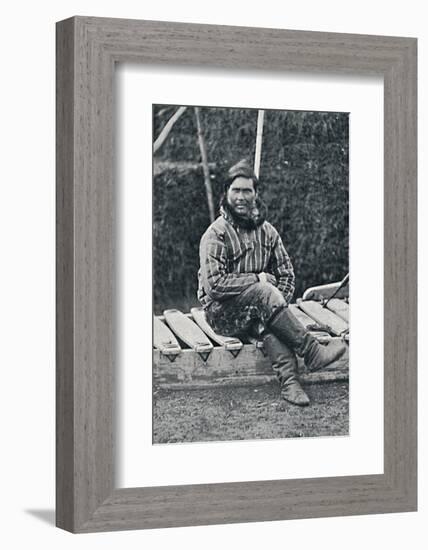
(167, 128)
(204, 157)
(259, 137)
(342, 284)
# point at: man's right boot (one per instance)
(317, 356)
(284, 364)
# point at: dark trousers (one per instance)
(249, 312)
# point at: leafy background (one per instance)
(304, 181)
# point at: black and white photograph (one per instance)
(201, 204)
(250, 274)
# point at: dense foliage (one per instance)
(304, 183)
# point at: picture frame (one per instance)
(87, 51)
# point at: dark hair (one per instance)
(241, 169)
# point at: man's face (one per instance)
(241, 196)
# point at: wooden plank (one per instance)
(301, 316)
(310, 324)
(188, 331)
(163, 339)
(229, 343)
(340, 308)
(258, 380)
(227, 382)
(324, 316)
(190, 368)
(162, 317)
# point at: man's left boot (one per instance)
(284, 364)
(317, 356)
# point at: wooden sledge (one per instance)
(207, 359)
(188, 332)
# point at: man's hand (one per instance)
(267, 278)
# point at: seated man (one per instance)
(246, 282)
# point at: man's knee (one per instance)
(268, 293)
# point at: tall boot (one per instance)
(284, 364)
(317, 356)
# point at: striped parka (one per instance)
(231, 257)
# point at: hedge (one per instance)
(304, 183)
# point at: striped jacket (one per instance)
(231, 257)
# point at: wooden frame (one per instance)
(87, 50)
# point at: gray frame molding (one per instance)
(87, 50)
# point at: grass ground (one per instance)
(225, 414)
